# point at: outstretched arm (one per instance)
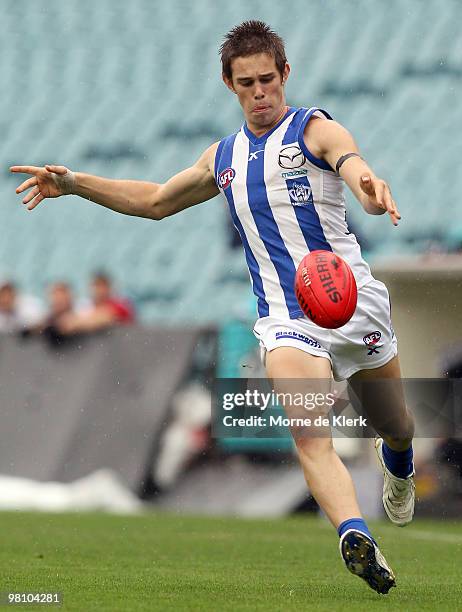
(329, 140)
(138, 198)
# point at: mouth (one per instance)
(261, 108)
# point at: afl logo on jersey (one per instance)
(291, 157)
(225, 178)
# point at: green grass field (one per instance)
(164, 562)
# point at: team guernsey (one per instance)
(284, 202)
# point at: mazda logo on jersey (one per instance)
(225, 178)
(291, 157)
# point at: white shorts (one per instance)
(367, 341)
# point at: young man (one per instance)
(282, 175)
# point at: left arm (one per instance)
(329, 140)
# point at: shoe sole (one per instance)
(360, 557)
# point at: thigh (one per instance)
(303, 383)
(290, 362)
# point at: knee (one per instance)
(313, 449)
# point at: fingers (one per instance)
(34, 169)
(31, 195)
(366, 184)
(34, 197)
(380, 195)
(25, 169)
(388, 203)
(35, 202)
(30, 182)
(56, 169)
(391, 207)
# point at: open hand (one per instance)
(379, 195)
(45, 182)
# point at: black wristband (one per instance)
(343, 159)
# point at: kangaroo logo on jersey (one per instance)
(300, 194)
(371, 340)
(225, 178)
(291, 157)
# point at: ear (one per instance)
(285, 73)
(228, 82)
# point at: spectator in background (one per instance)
(106, 310)
(18, 311)
(120, 309)
(60, 305)
(61, 302)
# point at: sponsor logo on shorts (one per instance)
(371, 340)
(225, 178)
(293, 335)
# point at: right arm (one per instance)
(138, 198)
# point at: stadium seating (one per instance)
(133, 89)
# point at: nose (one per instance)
(259, 93)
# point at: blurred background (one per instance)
(113, 328)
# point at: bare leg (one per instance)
(385, 404)
(328, 479)
(382, 397)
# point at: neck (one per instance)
(261, 131)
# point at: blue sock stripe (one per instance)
(354, 523)
(399, 463)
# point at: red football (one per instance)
(326, 289)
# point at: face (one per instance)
(7, 298)
(259, 86)
(100, 290)
(60, 299)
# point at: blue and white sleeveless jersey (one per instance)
(284, 203)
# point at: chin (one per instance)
(265, 119)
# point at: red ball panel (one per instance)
(326, 289)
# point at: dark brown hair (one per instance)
(248, 38)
